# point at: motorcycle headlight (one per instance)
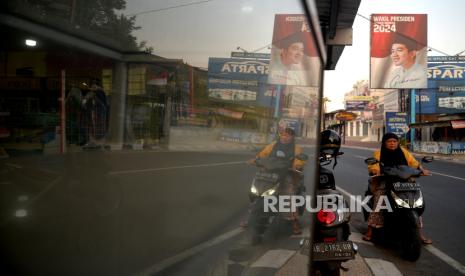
(269, 192)
(399, 201)
(254, 190)
(419, 202)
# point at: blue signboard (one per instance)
(446, 77)
(428, 102)
(397, 122)
(236, 80)
(458, 147)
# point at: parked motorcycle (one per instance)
(407, 203)
(273, 173)
(331, 245)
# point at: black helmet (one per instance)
(330, 141)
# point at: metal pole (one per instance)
(63, 113)
(412, 117)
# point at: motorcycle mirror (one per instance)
(371, 161)
(302, 157)
(427, 159)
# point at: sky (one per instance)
(214, 28)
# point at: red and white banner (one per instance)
(398, 56)
(294, 58)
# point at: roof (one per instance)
(334, 16)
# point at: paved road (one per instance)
(115, 213)
(444, 218)
(120, 213)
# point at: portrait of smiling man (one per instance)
(407, 73)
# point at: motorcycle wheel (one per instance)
(257, 223)
(411, 245)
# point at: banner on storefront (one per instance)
(294, 59)
(451, 102)
(398, 56)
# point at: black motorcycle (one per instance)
(273, 173)
(331, 245)
(401, 223)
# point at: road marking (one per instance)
(188, 253)
(174, 168)
(274, 258)
(441, 255)
(433, 250)
(446, 175)
(362, 157)
(381, 267)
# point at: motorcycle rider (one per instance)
(285, 147)
(391, 154)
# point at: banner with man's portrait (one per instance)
(294, 58)
(398, 54)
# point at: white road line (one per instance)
(274, 258)
(446, 175)
(433, 250)
(381, 267)
(441, 255)
(188, 253)
(362, 157)
(176, 167)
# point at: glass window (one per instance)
(126, 127)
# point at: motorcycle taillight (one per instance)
(326, 216)
(329, 239)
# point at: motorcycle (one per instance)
(331, 245)
(407, 203)
(273, 173)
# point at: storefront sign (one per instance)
(250, 55)
(345, 116)
(451, 102)
(428, 102)
(396, 122)
(236, 80)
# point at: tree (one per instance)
(100, 16)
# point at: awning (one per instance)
(431, 124)
(458, 124)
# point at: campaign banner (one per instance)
(397, 122)
(294, 58)
(398, 55)
(236, 80)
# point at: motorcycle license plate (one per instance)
(330, 251)
(406, 186)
